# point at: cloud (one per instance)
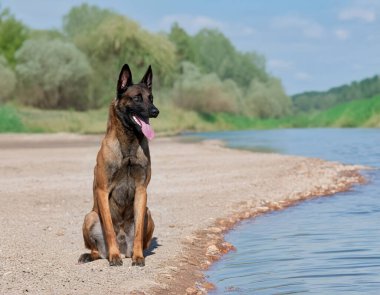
(245, 30)
(191, 24)
(363, 14)
(302, 76)
(342, 34)
(278, 64)
(307, 27)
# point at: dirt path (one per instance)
(46, 189)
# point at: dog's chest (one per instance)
(124, 181)
(124, 186)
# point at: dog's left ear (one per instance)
(148, 78)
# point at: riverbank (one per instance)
(197, 192)
(172, 120)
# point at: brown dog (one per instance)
(119, 221)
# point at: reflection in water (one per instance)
(323, 246)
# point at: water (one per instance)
(322, 246)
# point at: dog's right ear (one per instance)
(125, 80)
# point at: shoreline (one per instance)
(197, 193)
(210, 244)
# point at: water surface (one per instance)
(323, 246)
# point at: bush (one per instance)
(53, 74)
(7, 80)
(204, 93)
(10, 120)
(266, 100)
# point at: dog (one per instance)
(120, 221)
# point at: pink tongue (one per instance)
(146, 129)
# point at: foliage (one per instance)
(7, 80)
(110, 40)
(84, 19)
(314, 100)
(185, 49)
(12, 34)
(213, 52)
(205, 78)
(53, 74)
(203, 93)
(266, 99)
(10, 120)
(46, 35)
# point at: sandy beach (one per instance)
(197, 192)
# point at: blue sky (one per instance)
(310, 45)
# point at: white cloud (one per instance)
(357, 13)
(342, 34)
(278, 64)
(191, 24)
(307, 27)
(302, 76)
(246, 31)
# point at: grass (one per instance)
(358, 113)
(10, 120)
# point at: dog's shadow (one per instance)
(153, 246)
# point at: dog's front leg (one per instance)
(109, 233)
(139, 213)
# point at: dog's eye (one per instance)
(137, 98)
(151, 98)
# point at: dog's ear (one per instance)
(125, 80)
(148, 78)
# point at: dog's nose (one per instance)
(154, 112)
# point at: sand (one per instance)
(197, 192)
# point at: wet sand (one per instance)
(197, 192)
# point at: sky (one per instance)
(309, 45)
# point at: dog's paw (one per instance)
(84, 258)
(138, 261)
(115, 260)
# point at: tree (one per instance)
(53, 74)
(12, 34)
(213, 52)
(185, 50)
(7, 80)
(84, 19)
(114, 41)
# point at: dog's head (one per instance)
(134, 102)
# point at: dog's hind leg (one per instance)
(93, 238)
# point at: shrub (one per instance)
(266, 99)
(53, 74)
(10, 120)
(204, 93)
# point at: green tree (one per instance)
(12, 34)
(185, 50)
(53, 74)
(213, 52)
(84, 19)
(7, 80)
(116, 40)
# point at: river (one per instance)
(322, 246)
